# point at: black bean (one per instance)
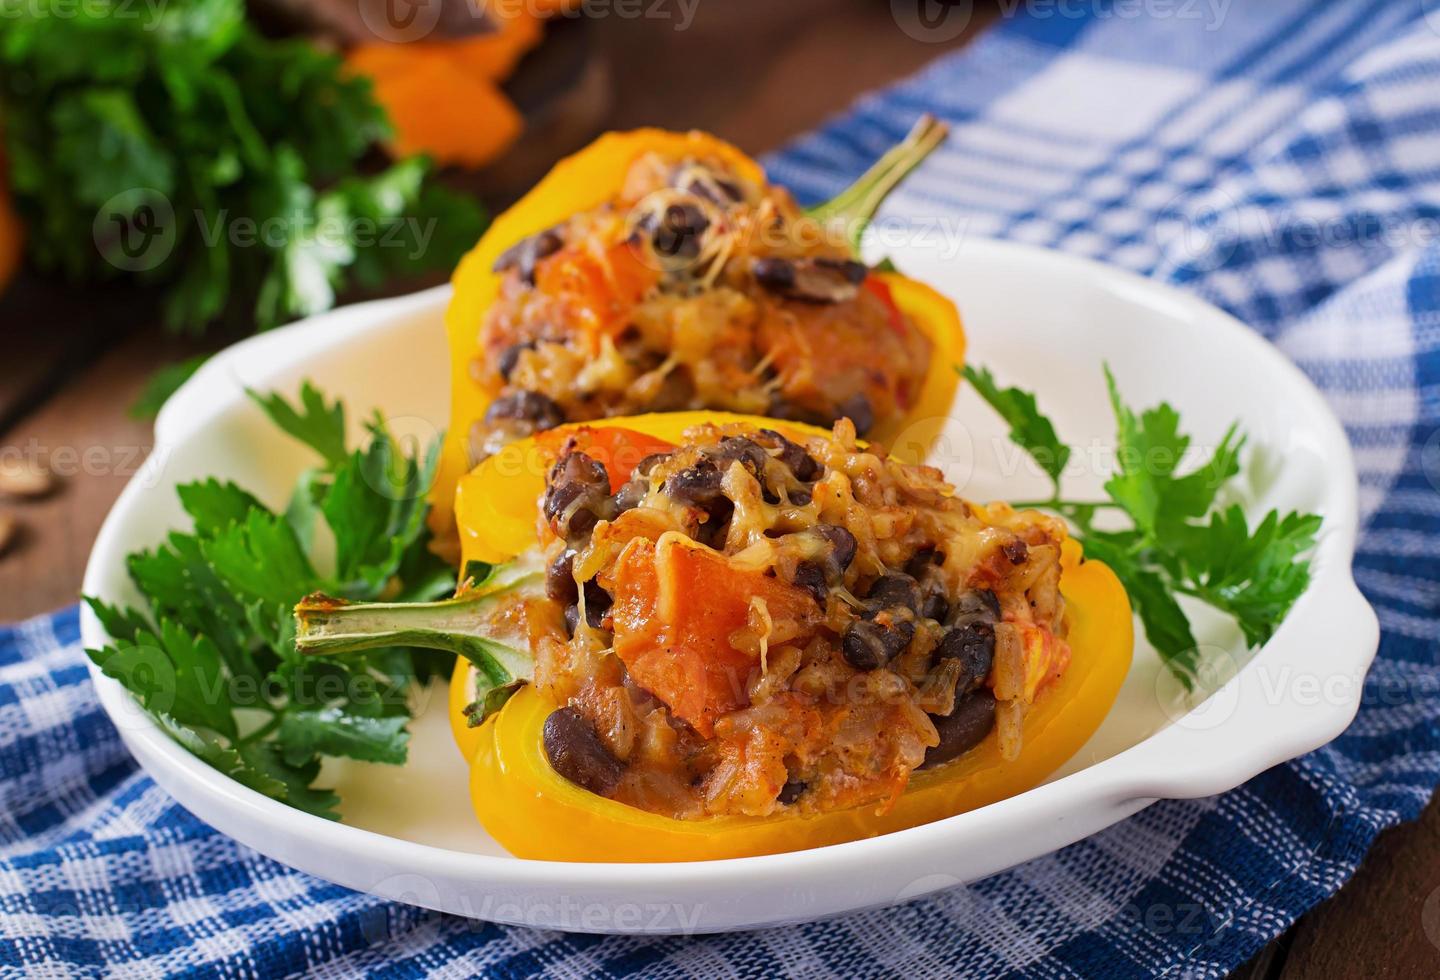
(809, 280)
(974, 647)
(791, 791)
(510, 358)
(842, 543)
(525, 253)
(783, 408)
(774, 273)
(572, 619)
(867, 645)
(935, 607)
(560, 578)
(578, 495)
(792, 455)
(579, 467)
(528, 406)
(579, 519)
(1017, 551)
(811, 577)
(858, 410)
(896, 590)
(678, 230)
(961, 730)
(921, 562)
(630, 495)
(729, 189)
(800, 497)
(707, 186)
(597, 604)
(559, 498)
(647, 464)
(852, 271)
(863, 645)
(747, 452)
(719, 512)
(975, 606)
(697, 484)
(576, 752)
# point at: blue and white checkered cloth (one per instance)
(1281, 159)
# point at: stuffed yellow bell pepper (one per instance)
(659, 271)
(697, 635)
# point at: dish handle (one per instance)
(1300, 691)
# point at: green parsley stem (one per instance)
(1066, 505)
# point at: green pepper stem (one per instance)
(465, 625)
(857, 205)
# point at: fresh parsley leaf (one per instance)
(296, 778)
(1164, 621)
(219, 756)
(215, 646)
(215, 505)
(118, 622)
(1149, 448)
(316, 424)
(1030, 429)
(174, 673)
(303, 511)
(224, 166)
(261, 559)
(331, 731)
(1177, 544)
(369, 507)
(180, 584)
(164, 383)
(1253, 576)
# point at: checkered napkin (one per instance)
(1281, 160)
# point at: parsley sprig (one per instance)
(212, 656)
(176, 144)
(1182, 540)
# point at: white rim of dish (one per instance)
(1319, 637)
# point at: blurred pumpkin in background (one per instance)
(443, 93)
(436, 65)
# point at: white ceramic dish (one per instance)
(1038, 319)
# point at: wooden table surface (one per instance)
(74, 360)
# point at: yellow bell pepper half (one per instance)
(535, 813)
(587, 180)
